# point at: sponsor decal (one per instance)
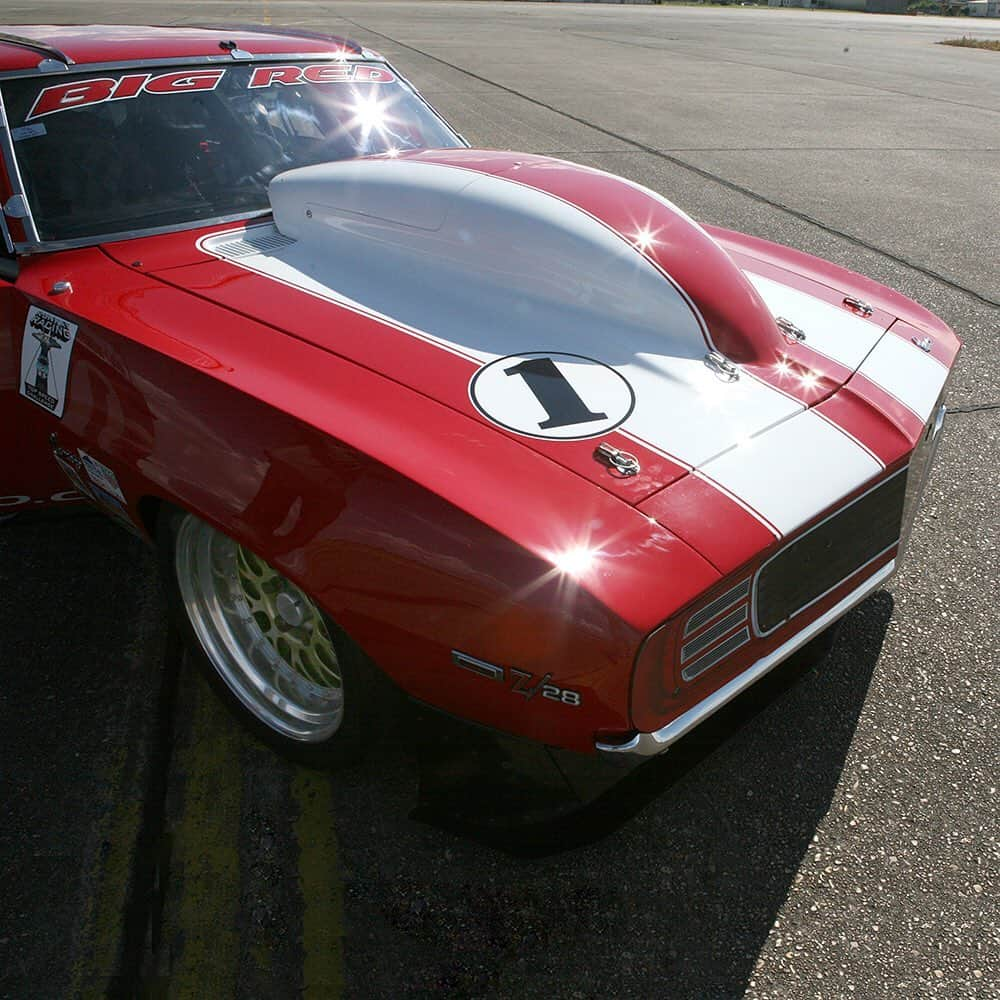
(45, 356)
(101, 476)
(106, 500)
(27, 132)
(84, 93)
(268, 76)
(73, 467)
(561, 396)
(80, 94)
(94, 481)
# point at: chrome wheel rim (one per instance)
(265, 637)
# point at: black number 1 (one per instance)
(558, 398)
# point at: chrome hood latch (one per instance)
(792, 333)
(621, 462)
(722, 366)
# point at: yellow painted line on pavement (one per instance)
(102, 919)
(201, 912)
(321, 886)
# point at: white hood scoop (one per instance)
(490, 265)
(486, 269)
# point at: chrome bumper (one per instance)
(650, 744)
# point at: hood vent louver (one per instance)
(248, 245)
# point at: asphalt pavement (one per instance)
(837, 839)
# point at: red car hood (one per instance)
(566, 307)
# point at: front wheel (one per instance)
(281, 665)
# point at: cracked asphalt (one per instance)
(836, 838)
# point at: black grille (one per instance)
(828, 554)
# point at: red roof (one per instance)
(101, 43)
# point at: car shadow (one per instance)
(666, 881)
(502, 882)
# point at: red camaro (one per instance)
(516, 433)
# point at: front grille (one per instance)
(825, 556)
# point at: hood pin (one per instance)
(723, 368)
(858, 305)
(617, 461)
(793, 334)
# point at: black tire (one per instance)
(367, 695)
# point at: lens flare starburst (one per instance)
(369, 113)
(575, 561)
(644, 239)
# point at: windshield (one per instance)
(115, 152)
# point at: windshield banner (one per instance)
(80, 94)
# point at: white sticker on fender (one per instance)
(45, 357)
(100, 475)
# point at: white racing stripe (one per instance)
(906, 372)
(794, 470)
(487, 268)
(830, 330)
(848, 434)
(682, 409)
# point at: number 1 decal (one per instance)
(549, 395)
(552, 389)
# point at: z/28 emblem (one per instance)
(519, 681)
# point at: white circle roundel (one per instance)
(547, 395)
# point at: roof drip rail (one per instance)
(267, 29)
(49, 51)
